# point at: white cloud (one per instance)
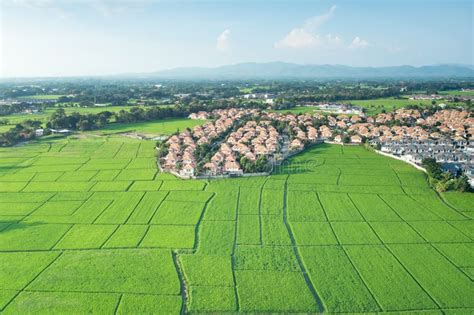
(223, 41)
(306, 36)
(358, 43)
(315, 22)
(301, 38)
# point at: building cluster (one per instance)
(401, 115)
(251, 141)
(456, 123)
(267, 98)
(426, 97)
(443, 150)
(446, 135)
(300, 128)
(199, 115)
(180, 158)
(336, 108)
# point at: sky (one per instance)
(40, 38)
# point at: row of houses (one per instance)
(259, 137)
(180, 158)
(251, 141)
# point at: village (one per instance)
(242, 141)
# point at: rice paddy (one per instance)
(90, 225)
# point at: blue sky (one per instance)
(90, 37)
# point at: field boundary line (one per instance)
(431, 243)
(175, 254)
(141, 239)
(387, 246)
(348, 258)
(338, 176)
(31, 281)
(138, 149)
(109, 237)
(396, 258)
(135, 208)
(161, 182)
(443, 200)
(234, 246)
(118, 303)
(182, 281)
(260, 209)
(303, 270)
(408, 271)
(111, 202)
(448, 259)
(41, 204)
(442, 219)
(197, 228)
(159, 205)
(118, 150)
(462, 232)
(100, 292)
(61, 238)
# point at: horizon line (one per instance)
(137, 73)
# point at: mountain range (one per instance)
(283, 70)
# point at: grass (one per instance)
(402, 293)
(44, 115)
(375, 106)
(390, 103)
(41, 97)
(458, 93)
(90, 224)
(161, 127)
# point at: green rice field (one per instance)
(43, 116)
(373, 106)
(41, 97)
(158, 127)
(16, 118)
(89, 225)
(377, 105)
(459, 93)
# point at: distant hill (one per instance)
(282, 70)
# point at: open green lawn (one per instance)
(159, 127)
(4, 128)
(89, 225)
(46, 114)
(458, 93)
(297, 110)
(376, 105)
(373, 106)
(41, 97)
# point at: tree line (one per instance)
(443, 180)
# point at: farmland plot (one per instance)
(339, 207)
(89, 224)
(402, 293)
(304, 206)
(449, 288)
